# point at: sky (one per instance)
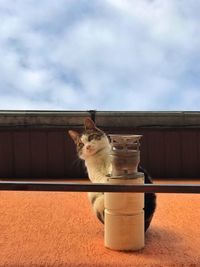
(108, 55)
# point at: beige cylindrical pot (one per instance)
(126, 203)
(124, 232)
(124, 216)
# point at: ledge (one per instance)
(42, 119)
(148, 119)
(118, 119)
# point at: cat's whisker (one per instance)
(77, 164)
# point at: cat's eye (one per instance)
(90, 137)
(80, 145)
(94, 136)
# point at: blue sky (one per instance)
(100, 54)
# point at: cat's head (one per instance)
(91, 141)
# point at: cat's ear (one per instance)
(74, 135)
(89, 124)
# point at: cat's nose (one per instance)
(88, 147)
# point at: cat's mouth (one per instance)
(94, 151)
(90, 151)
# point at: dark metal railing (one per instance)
(92, 187)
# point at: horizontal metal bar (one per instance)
(92, 187)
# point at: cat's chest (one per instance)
(99, 165)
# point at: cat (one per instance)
(93, 146)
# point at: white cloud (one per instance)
(106, 55)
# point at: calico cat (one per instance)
(93, 146)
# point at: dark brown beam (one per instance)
(88, 187)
